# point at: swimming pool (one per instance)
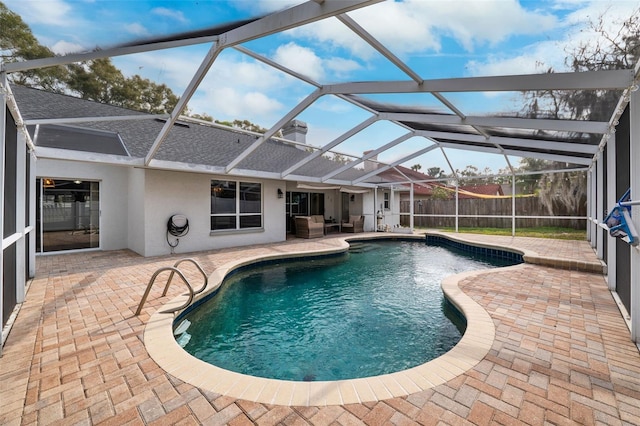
(372, 311)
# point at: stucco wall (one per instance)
(136, 207)
(114, 211)
(169, 193)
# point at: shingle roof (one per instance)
(190, 143)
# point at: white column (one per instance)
(611, 201)
(3, 118)
(457, 209)
(21, 170)
(513, 205)
(593, 206)
(599, 184)
(589, 202)
(634, 159)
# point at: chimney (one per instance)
(369, 165)
(296, 131)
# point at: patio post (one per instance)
(3, 118)
(513, 204)
(599, 216)
(634, 179)
(456, 206)
(611, 201)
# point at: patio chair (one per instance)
(309, 226)
(354, 224)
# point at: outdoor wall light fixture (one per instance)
(280, 194)
(353, 197)
(48, 183)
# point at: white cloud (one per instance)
(63, 47)
(300, 59)
(229, 103)
(539, 57)
(136, 28)
(415, 26)
(535, 58)
(169, 13)
(342, 67)
(476, 23)
(264, 6)
(49, 12)
(331, 34)
(233, 88)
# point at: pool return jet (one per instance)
(619, 221)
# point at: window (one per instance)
(235, 205)
(386, 201)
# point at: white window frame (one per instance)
(237, 214)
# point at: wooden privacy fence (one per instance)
(491, 213)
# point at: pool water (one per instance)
(375, 310)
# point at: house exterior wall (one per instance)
(136, 207)
(114, 200)
(168, 193)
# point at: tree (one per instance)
(436, 172)
(144, 95)
(439, 193)
(97, 80)
(416, 167)
(605, 52)
(472, 176)
(566, 190)
(619, 50)
(17, 43)
(204, 116)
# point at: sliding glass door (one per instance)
(68, 215)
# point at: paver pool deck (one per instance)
(561, 351)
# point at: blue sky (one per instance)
(436, 38)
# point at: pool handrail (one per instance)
(197, 265)
(173, 270)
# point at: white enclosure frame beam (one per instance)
(597, 127)
(373, 42)
(197, 78)
(272, 131)
(72, 120)
(518, 153)
(99, 54)
(395, 163)
(351, 132)
(293, 17)
(368, 155)
(588, 80)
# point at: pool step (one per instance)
(361, 247)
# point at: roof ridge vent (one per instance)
(177, 123)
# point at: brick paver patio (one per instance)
(562, 353)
